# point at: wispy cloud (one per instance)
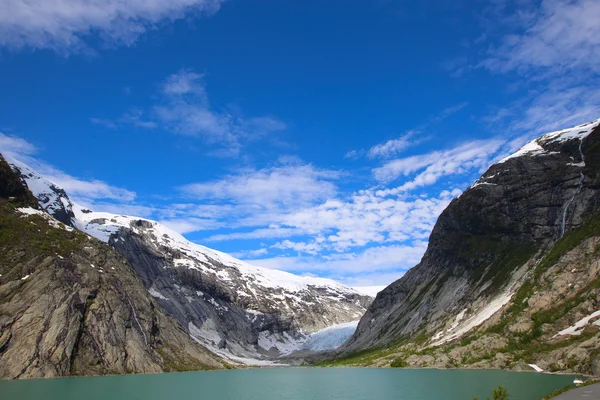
(392, 147)
(309, 225)
(373, 266)
(186, 110)
(467, 157)
(411, 138)
(66, 25)
(104, 122)
(16, 145)
(551, 37)
(289, 183)
(550, 48)
(183, 107)
(191, 224)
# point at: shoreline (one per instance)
(584, 377)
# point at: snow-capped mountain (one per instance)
(236, 309)
(518, 246)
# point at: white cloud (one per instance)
(392, 147)
(187, 225)
(373, 266)
(363, 219)
(470, 156)
(551, 47)
(282, 186)
(560, 104)
(300, 247)
(104, 122)
(244, 254)
(260, 233)
(354, 154)
(186, 110)
(555, 36)
(136, 117)
(66, 25)
(15, 145)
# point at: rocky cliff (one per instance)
(511, 262)
(242, 312)
(70, 305)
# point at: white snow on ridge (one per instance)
(89, 221)
(535, 148)
(40, 187)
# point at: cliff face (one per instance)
(489, 241)
(70, 305)
(234, 308)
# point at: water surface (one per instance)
(292, 384)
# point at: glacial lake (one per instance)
(292, 384)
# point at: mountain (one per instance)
(245, 313)
(70, 305)
(510, 275)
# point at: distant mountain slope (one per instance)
(69, 305)
(237, 310)
(510, 265)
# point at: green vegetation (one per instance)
(567, 243)
(398, 363)
(500, 393)
(33, 236)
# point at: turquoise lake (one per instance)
(292, 383)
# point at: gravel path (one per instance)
(591, 392)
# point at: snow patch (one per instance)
(30, 211)
(283, 342)
(330, 338)
(207, 333)
(477, 319)
(578, 327)
(155, 293)
(536, 368)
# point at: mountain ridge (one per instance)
(495, 251)
(69, 305)
(239, 311)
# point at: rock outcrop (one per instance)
(70, 305)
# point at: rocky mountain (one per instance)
(511, 272)
(245, 313)
(70, 305)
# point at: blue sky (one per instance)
(317, 137)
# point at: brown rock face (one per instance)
(69, 305)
